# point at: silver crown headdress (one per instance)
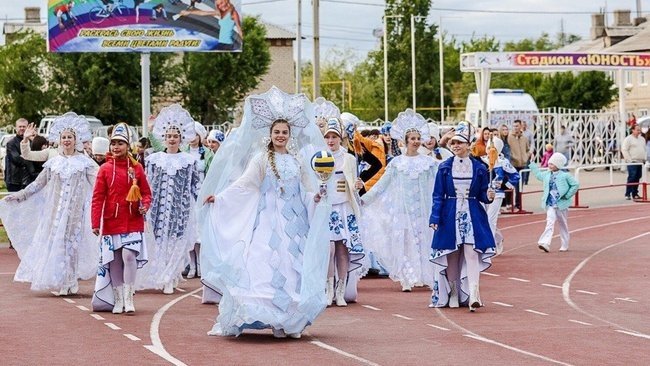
(74, 123)
(325, 109)
(174, 117)
(408, 121)
(277, 105)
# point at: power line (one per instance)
(493, 11)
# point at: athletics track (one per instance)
(583, 307)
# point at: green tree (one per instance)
(587, 90)
(106, 85)
(212, 85)
(23, 79)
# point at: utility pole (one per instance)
(299, 49)
(413, 60)
(316, 50)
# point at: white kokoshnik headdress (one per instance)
(71, 122)
(409, 121)
(174, 117)
(274, 105)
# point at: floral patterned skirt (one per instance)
(345, 227)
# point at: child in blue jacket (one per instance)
(559, 187)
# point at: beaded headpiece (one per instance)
(409, 121)
(277, 105)
(174, 117)
(74, 123)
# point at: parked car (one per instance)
(103, 132)
(46, 123)
(3, 149)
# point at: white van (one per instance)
(503, 106)
(46, 123)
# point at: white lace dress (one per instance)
(174, 181)
(396, 219)
(50, 226)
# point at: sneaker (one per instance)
(563, 249)
(191, 273)
(295, 335)
(543, 247)
(636, 197)
(628, 198)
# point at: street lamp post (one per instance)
(299, 48)
(441, 61)
(413, 18)
(386, 63)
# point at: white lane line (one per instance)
(473, 335)
(625, 299)
(157, 346)
(579, 322)
(486, 340)
(536, 312)
(112, 326)
(197, 296)
(518, 279)
(490, 274)
(371, 307)
(97, 316)
(640, 335)
(343, 353)
(180, 290)
(566, 285)
(502, 304)
(7, 273)
(69, 301)
(81, 307)
(402, 317)
(587, 292)
(131, 337)
(438, 327)
(550, 285)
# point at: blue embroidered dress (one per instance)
(460, 189)
(271, 254)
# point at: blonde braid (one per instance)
(271, 156)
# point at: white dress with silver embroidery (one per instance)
(50, 224)
(174, 181)
(268, 254)
(396, 219)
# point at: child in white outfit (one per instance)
(559, 187)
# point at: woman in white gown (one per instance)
(396, 210)
(61, 248)
(264, 242)
(174, 180)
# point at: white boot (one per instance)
(453, 295)
(474, 298)
(118, 294)
(129, 306)
(330, 290)
(168, 289)
(340, 293)
(192, 272)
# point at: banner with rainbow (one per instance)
(144, 26)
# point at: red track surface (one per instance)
(584, 307)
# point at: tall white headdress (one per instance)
(174, 117)
(323, 108)
(408, 121)
(276, 105)
(74, 123)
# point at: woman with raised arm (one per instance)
(61, 248)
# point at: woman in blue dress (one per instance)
(463, 243)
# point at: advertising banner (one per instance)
(520, 61)
(144, 25)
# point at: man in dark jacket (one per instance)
(18, 171)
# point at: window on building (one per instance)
(643, 78)
(643, 112)
(628, 78)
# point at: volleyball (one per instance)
(322, 162)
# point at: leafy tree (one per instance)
(213, 84)
(586, 90)
(23, 80)
(106, 85)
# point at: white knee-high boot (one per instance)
(330, 290)
(129, 306)
(118, 294)
(340, 292)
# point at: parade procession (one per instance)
(181, 185)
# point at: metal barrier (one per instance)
(576, 199)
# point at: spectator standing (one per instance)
(519, 154)
(503, 135)
(528, 134)
(18, 171)
(634, 151)
(564, 143)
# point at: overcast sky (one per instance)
(349, 23)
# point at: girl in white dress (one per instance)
(264, 238)
(61, 248)
(397, 209)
